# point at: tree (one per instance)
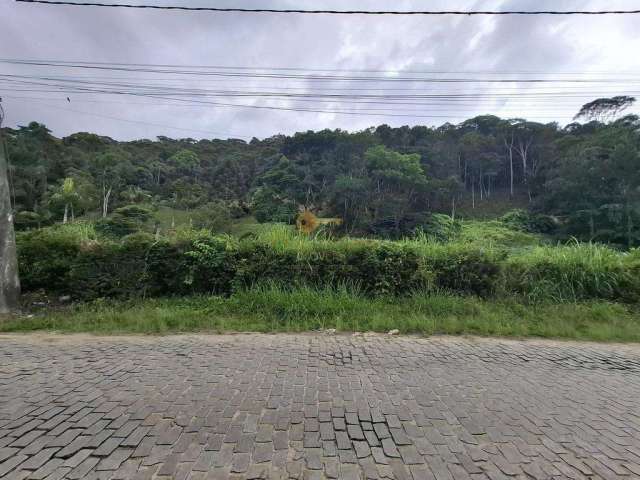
(594, 185)
(66, 195)
(604, 109)
(349, 201)
(480, 162)
(397, 180)
(185, 162)
(9, 279)
(270, 206)
(112, 169)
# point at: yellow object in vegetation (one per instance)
(307, 222)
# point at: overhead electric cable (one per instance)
(281, 76)
(110, 117)
(335, 12)
(62, 63)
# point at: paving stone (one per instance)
(7, 452)
(317, 406)
(82, 470)
(343, 441)
(39, 459)
(11, 463)
(390, 449)
(46, 469)
(362, 449)
(106, 448)
(77, 458)
(263, 452)
(355, 432)
(115, 459)
(240, 462)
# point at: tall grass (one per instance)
(272, 308)
(571, 272)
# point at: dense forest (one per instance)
(582, 180)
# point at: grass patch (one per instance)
(497, 234)
(274, 309)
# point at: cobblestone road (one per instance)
(316, 407)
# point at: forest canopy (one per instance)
(582, 180)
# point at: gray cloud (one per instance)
(547, 45)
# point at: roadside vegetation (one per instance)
(475, 277)
(492, 226)
(273, 309)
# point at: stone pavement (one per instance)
(316, 406)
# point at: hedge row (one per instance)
(143, 266)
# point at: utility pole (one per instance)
(9, 279)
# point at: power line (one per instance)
(309, 77)
(63, 63)
(190, 97)
(139, 122)
(550, 109)
(338, 12)
(459, 114)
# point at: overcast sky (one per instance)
(549, 47)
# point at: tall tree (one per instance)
(398, 180)
(604, 109)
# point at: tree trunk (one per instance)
(473, 195)
(66, 213)
(9, 279)
(629, 227)
(510, 150)
(453, 207)
(523, 151)
(105, 201)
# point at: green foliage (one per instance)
(525, 221)
(496, 234)
(441, 228)
(273, 308)
(213, 216)
(195, 261)
(573, 272)
(270, 206)
(26, 220)
(45, 256)
(124, 221)
(580, 181)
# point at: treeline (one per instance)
(582, 180)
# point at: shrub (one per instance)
(460, 267)
(214, 216)
(519, 219)
(441, 228)
(69, 259)
(26, 219)
(46, 256)
(124, 221)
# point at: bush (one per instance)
(46, 256)
(524, 221)
(464, 268)
(441, 228)
(71, 260)
(25, 220)
(214, 216)
(124, 221)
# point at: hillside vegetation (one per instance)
(581, 181)
(492, 226)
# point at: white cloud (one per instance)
(544, 44)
